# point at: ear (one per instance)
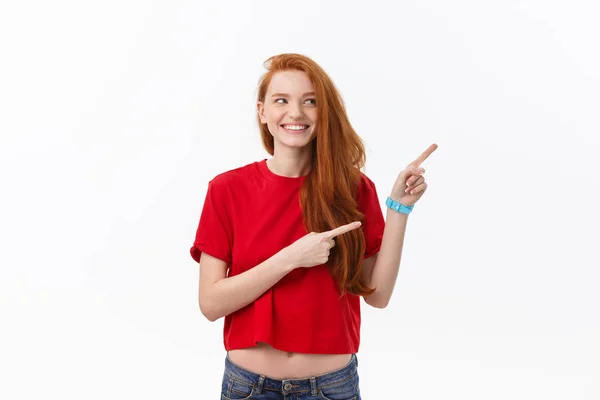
(261, 112)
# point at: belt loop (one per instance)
(261, 381)
(356, 360)
(313, 386)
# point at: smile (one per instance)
(295, 128)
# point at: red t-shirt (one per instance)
(249, 215)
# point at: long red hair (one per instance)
(327, 197)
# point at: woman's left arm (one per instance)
(382, 269)
(384, 266)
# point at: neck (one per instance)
(290, 164)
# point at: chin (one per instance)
(298, 143)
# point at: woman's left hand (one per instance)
(410, 184)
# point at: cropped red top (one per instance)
(249, 215)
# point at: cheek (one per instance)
(272, 120)
(272, 124)
(313, 117)
(312, 113)
(273, 116)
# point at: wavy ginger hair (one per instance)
(327, 197)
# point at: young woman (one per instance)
(288, 245)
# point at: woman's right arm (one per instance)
(219, 295)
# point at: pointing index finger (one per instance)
(341, 230)
(419, 160)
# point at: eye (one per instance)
(314, 101)
(281, 98)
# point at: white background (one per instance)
(114, 116)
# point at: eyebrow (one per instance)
(286, 95)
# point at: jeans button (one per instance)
(287, 386)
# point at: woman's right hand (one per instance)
(313, 248)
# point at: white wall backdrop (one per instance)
(114, 116)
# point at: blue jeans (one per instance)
(240, 384)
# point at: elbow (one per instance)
(210, 317)
(208, 311)
(375, 302)
(380, 305)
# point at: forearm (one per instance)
(387, 265)
(231, 294)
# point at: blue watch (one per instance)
(394, 205)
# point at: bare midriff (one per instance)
(266, 360)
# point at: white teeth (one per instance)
(295, 127)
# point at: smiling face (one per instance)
(289, 110)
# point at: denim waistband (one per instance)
(308, 384)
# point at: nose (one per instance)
(294, 111)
